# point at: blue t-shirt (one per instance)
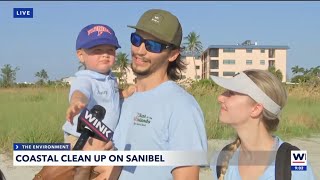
(269, 173)
(164, 118)
(100, 90)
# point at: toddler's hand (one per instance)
(73, 110)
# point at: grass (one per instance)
(207, 100)
(31, 115)
(300, 117)
(37, 114)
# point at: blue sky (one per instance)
(48, 40)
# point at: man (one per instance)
(160, 115)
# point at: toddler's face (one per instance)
(99, 58)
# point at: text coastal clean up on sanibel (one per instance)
(89, 158)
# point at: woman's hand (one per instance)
(94, 144)
(107, 172)
(56, 172)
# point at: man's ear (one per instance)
(174, 54)
(80, 55)
(257, 110)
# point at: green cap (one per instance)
(162, 25)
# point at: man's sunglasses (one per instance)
(151, 45)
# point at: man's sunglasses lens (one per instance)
(136, 40)
(151, 46)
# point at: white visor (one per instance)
(241, 83)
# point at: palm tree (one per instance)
(194, 45)
(42, 75)
(276, 72)
(297, 69)
(315, 71)
(122, 64)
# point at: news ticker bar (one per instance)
(108, 158)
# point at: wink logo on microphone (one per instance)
(97, 126)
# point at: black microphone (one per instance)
(97, 113)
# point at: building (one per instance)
(130, 76)
(68, 80)
(227, 60)
(193, 64)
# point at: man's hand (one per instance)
(128, 92)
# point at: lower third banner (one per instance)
(108, 158)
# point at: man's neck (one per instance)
(145, 83)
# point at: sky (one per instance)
(47, 41)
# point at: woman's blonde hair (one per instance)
(273, 88)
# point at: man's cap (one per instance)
(241, 83)
(96, 34)
(162, 25)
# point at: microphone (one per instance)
(95, 115)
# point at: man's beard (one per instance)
(140, 72)
(136, 70)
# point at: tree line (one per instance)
(191, 44)
(8, 76)
(302, 75)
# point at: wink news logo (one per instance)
(98, 127)
(298, 160)
(22, 12)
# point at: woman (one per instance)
(251, 104)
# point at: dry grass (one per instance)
(37, 114)
(299, 118)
